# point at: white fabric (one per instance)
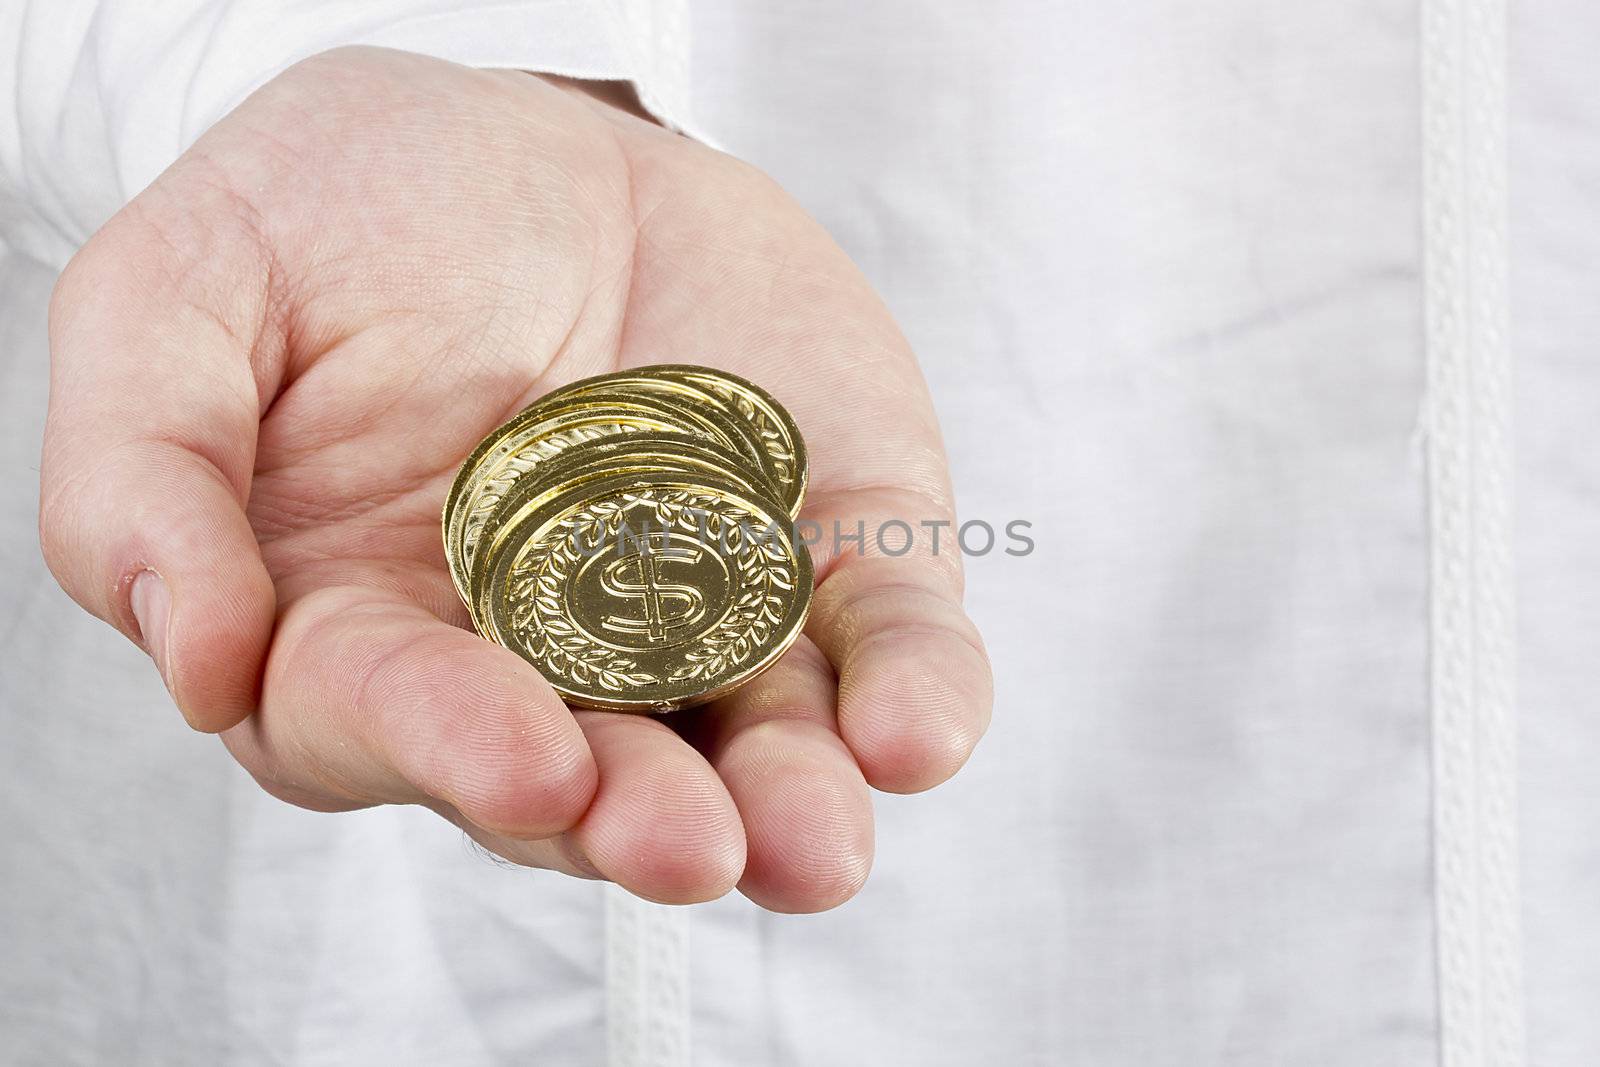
(1163, 263)
(106, 94)
(647, 982)
(1468, 412)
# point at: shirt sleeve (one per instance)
(106, 93)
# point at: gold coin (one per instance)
(644, 385)
(782, 447)
(647, 591)
(535, 435)
(643, 451)
(628, 534)
(532, 422)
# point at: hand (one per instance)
(267, 367)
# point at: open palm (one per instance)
(268, 366)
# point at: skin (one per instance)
(266, 368)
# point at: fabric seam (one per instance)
(1472, 595)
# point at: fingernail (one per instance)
(152, 607)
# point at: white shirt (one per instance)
(1181, 277)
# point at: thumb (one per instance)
(150, 440)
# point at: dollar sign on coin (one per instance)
(665, 607)
(629, 536)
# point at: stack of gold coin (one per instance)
(631, 535)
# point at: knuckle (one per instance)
(88, 278)
(73, 283)
(191, 242)
(53, 526)
(60, 523)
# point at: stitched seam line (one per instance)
(1472, 626)
(647, 982)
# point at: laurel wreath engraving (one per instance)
(764, 574)
(774, 440)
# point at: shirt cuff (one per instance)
(109, 93)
